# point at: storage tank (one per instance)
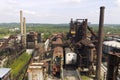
(70, 58)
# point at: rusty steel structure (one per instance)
(113, 72)
(7, 40)
(84, 46)
(57, 55)
(80, 43)
(78, 29)
(32, 39)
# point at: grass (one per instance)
(18, 64)
(85, 78)
(1, 35)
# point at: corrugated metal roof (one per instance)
(114, 44)
(4, 71)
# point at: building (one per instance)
(32, 39)
(5, 73)
(35, 71)
(108, 46)
(112, 49)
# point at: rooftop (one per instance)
(113, 44)
(4, 71)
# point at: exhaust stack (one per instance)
(24, 30)
(21, 22)
(100, 42)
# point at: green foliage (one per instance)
(3, 32)
(19, 63)
(112, 29)
(49, 29)
(2, 35)
(22, 74)
(85, 78)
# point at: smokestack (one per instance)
(21, 22)
(24, 30)
(100, 40)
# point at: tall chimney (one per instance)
(21, 22)
(100, 42)
(24, 30)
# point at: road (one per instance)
(71, 74)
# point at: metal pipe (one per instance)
(100, 40)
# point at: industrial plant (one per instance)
(61, 56)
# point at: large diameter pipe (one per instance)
(100, 42)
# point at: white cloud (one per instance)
(13, 1)
(118, 2)
(29, 12)
(57, 10)
(74, 1)
(69, 2)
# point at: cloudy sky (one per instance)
(59, 11)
